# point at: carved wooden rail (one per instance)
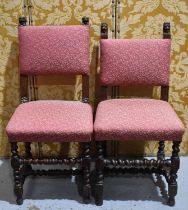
(47, 161)
(137, 163)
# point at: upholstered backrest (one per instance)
(54, 50)
(135, 62)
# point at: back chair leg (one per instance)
(86, 173)
(160, 153)
(175, 163)
(28, 155)
(18, 184)
(99, 175)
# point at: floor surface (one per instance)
(139, 192)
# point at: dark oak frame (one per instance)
(106, 165)
(22, 166)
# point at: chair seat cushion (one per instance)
(51, 121)
(137, 119)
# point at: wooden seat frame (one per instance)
(22, 166)
(161, 165)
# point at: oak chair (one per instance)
(136, 62)
(49, 50)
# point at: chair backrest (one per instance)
(135, 62)
(46, 50)
(54, 50)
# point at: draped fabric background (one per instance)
(132, 19)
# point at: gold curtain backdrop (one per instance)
(129, 19)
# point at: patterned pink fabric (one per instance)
(51, 121)
(137, 119)
(135, 62)
(54, 49)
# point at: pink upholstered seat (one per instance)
(54, 50)
(137, 119)
(135, 62)
(51, 121)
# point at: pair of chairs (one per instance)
(65, 50)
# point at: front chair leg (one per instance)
(26, 168)
(86, 173)
(18, 185)
(175, 163)
(99, 165)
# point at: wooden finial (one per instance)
(85, 20)
(166, 30)
(104, 31)
(22, 21)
